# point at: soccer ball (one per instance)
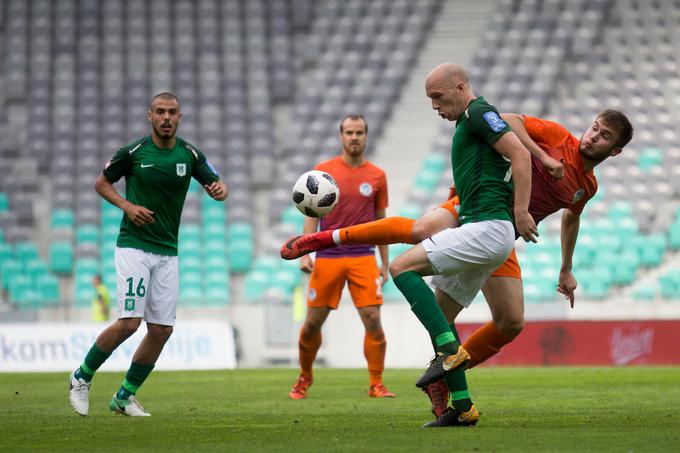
(315, 193)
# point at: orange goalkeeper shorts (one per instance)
(330, 274)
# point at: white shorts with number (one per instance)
(465, 257)
(148, 286)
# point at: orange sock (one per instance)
(485, 342)
(308, 346)
(390, 230)
(374, 351)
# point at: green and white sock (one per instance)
(93, 360)
(134, 378)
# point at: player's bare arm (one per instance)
(217, 190)
(139, 215)
(509, 146)
(566, 283)
(516, 122)
(311, 225)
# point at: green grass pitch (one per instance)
(523, 409)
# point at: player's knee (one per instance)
(511, 327)
(161, 333)
(420, 231)
(397, 267)
(128, 326)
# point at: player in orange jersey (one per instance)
(363, 188)
(562, 177)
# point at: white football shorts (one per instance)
(464, 257)
(148, 286)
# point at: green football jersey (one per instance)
(157, 179)
(482, 176)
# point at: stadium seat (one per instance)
(62, 218)
(87, 234)
(26, 251)
(240, 255)
(670, 285)
(255, 284)
(4, 202)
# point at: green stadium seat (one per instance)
(88, 266)
(4, 202)
(652, 254)
(292, 216)
(48, 288)
(189, 232)
(216, 261)
(650, 157)
(6, 253)
(189, 246)
(9, 270)
(83, 291)
(596, 282)
(268, 264)
(36, 268)
(26, 251)
(240, 231)
(190, 278)
(646, 293)
(217, 295)
(213, 211)
(435, 162)
(255, 284)
(192, 262)
(670, 284)
(62, 218)
(191, 293)
(285, 281)
(87, 234)
(215, 246)
(240, 255)
(195, 186)
(674, 235)
(216, 278)
(427, 180)
(2, 236)
(214, 229)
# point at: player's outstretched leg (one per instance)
(297, 246)
(127, 406)
(452, 417)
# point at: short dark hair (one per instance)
(620, 123)
(165, 95)
(354, 116)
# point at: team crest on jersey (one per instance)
(495, 122)
(312, 294)
(181, 169)
(365, 189)
(578, 195)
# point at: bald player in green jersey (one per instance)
(157, 171)
(490, 168)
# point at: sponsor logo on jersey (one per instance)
(578, 195)
(312, 294)
(181, 169)
(495, 122)
(365, 189)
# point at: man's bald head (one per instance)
(448, 87)
(448, 74)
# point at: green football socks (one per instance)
(424, 306)
(93, 360)
(134, 378)
(457, 384)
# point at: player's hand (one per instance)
(139, 215)
(217, 190)
(566, 284)
(384, 274)
(452, 191)
(554, 167)
(526, 226)
(306, 264)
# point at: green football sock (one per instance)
(423, 304)
(457, 383)
(134, 378)
(93, 360)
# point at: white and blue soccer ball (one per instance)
(315, 193)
